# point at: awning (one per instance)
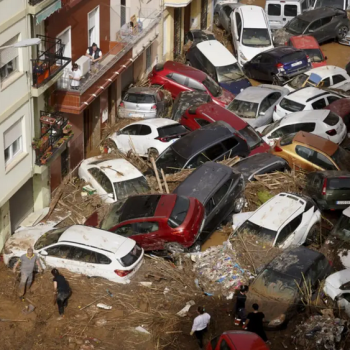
(48, 11)
(176, 3)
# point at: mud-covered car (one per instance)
(280, 285)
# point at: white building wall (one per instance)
(10, 9)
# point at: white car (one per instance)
(148, 137)
(80, 249)
(305, 99)
(326, 76)
(337, 287)
(322, 122)
(251, 32)
(284, 220)
(113, 179)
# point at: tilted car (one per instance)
(80, 249)
(219, 189)
(149, 137)
(222, 13)
(341, 107)
(113, 179)
(284, 220)
(198, 35)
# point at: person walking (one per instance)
(240, 312)
(28, 262)
(200, 324)
(75, 76)
(255, 323)
(62, 291)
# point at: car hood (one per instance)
(281, 36)
(334, 281)
(254, 122)
(236, 86)
(226, 97)
(250, 52)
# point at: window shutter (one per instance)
(7, 55)
(12, 134)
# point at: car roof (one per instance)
(253, 16)
(304, 116)
(277, 210)
(280, 51)
(205, 180)
(325, 71)
(215, 112)
(143, 90)
(117, 170)
(155, 122)
(198, 140)
(176, 67)
(243, 340)
(97, 238)
(317, 142)
(216, 53)
(303, 94)
(254, 94)
(304, 41)
(340, 107)
(318, 13)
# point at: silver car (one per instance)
(223, 12)
(255, 104)
(143, 102)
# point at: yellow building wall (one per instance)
(168, 36)
(196, 14)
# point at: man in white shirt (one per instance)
(75, 76)
(200, 324)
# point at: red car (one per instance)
(310, 45)
(342, 108)
(237, 340)
(196, 117)
(177, 77)
(156, 221)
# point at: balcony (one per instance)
(56, 131)
(44, 7)
(49, 64)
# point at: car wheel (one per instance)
(315, 235)
(12, 263)
(195, 248)
(217, 20)
(342, 31)
(152, 152)
(174, 247)
(238, 204)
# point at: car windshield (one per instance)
(271, 127)
(315, 55)
(124, 189)
(212, 86)
(243, 108)
(139, 98)
(113, 216)
(342, 228)
(275, 285)
(172, 130)
(178, 215)
(250, 228)
(342, 158)
(252, 137)
(296, 26)
(298, 81)
(337, 4)
(229, 73)
(130, 258)
(170, 161)
(291, 105)
(48, 238)
(254, 37)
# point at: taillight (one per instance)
(121, 105)
(278, 149)
(275, 108)
(162, 139)
(122, 273)
(331, 132)
(308, 59)
(279, 66)
(154, 107)
(324, 187)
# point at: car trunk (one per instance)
(338, 191)
(138, 104)
(294, 62)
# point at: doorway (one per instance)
(94, 26)
(204, 14)
(177, 31)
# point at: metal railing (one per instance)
(49, 61)
(34, 2)
(126, 39)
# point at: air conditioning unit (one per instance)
(84, 64)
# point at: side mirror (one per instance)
(110, 195)
(44, 253)
(261, 114)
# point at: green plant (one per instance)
(264, 196)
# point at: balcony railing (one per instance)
(34, 2)
(125, 40)
(49, 62)
(56, 131)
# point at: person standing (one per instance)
(240, 312)
(75, 76)
(94, 53)
(61, 290)
(200, 324)
(255, 323)
(28, 262)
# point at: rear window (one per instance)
(139, 98)
(274, 10)
(290, 10)
(171, 130)
(294, 56)
(339, 184)
(170, 161)
(252, 137)
(132, 257)
(127, 188)
(342, 158)
(291, 106)
(179, 212)
(331, 119)
(315, 55)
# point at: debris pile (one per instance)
(320, 332)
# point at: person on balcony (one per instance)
(94, 53)
(75, 76)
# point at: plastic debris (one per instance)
(166, 290)
(101, 322)
(104, 306)
(183, 312)
(141, 330)
(146, 284)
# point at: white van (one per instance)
(251, 32)
(280, 12)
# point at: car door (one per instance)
(303, 158)
(314, 30)
(84, 261)
(289, 234)
(337, 79)
(124, 136)
(301, 232)
(57, 255)
(265, 68)
(226, 23)
(177, 84)
(161, 104)
(319, 103)
(142, 140)
(323, 162)
(236, 31)
(273, 99)
(253, 67)
(264, 116)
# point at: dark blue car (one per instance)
(277, 65)
(214, 59)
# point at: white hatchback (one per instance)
(148, 137)
(322, 122)
(80, 249)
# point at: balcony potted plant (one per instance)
(46, 119)
(45, 157)
(67, 128)
(59, 143)
(40, 144)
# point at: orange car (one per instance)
(311, 152)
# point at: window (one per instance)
(325, 20)
(84, 255)
(323, 162)
(274, 97)
(230, 143)
(59, 251)
(331, 99)
(338, 79)
(290, 10)
(274, 10)
(304, 152)
(291, 105)
(239, 25)
(149, 58)
(304, 5)
(145, 227)
(220, 193)
(227, 10)
(202, 122)
(265, 105)
(145, 130)
(196, 161)
(179, 212)
(94, 27)
(102, 259)
(319, 104)
(8, 59)
(289, 229)
(195, 85)
(13, 143)
(224, 345)
(131, 257)
(256, 59)
(178, 78)
(102, 179)
(209, 207)
(131, 130)
(214, 151)
(314, 26)
(139, 98)
(122, 12)
(326, 82)
(125, 231)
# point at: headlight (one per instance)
(277, 321)
(7, 250)
(242, 56)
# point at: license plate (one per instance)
(135, 115)
(343, 202)
(296, 64)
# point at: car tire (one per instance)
(314, 235)
(342, 31)
(217, 20)
(238, 204)
(174, 247)
(12, 262)
(152, 152)
(195, 248)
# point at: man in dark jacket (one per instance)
(94, 53)
(240, 311)
(62, 291)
